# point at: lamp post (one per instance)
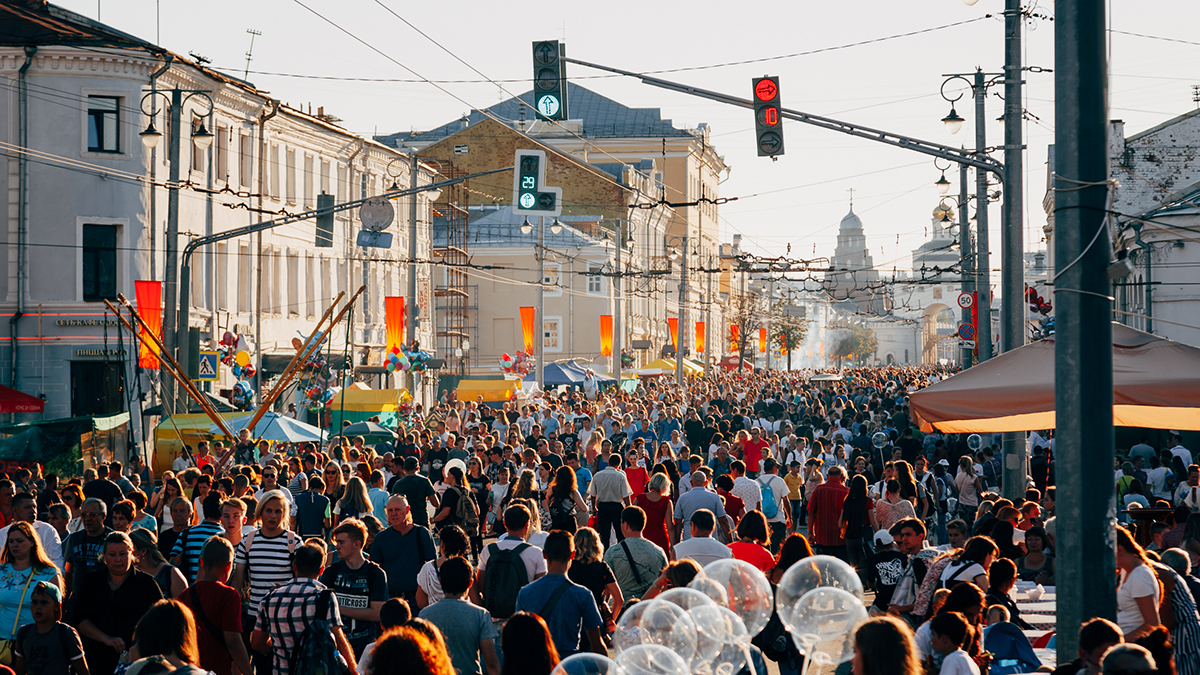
(411, 305)
(175, 337)
(681, 329)
(618, 314)
(539, 320)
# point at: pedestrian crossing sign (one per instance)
(208, 368)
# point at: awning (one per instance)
(668, 366)
(490, 390)
(13, 401)
(368, 400)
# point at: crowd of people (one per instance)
(502, 538)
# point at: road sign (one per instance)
(969, 344)
(209, 367)
(966, 300)
(966, 332)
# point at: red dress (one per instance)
(656, 520)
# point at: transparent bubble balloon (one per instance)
(880, 439)
(659, 623)
(813, 572)
(974, 442)
(712, 633)
(585, 663)
(711, 588)
(748, 590)
(685, 597)
(651, 660)
(732, 655)
(823, 622)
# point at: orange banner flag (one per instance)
(762, 340)
(606, 335)
(394, 321)
(527, 317)
(673, 324)
(700, 338)
(733, 336)
(150, 307)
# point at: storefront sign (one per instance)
(118, 353)
(67, 323)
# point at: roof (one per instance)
(1157, 128)
(602, 118)
(851, 221)
(38, 23)
(499, 226)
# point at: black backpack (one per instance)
(562, 513)
(775, 641)
(315, 652)
(504, 577)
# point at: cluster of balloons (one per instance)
(407, 358)
(235, 353)
(627, 359)
(521, 364)
(707, 627)
(318, 397)
(242, 395)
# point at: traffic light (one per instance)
(550, 80)
(530, 196)
(325, 221)
(768, 123)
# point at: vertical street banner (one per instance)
(606, 335)
(733, 337)
(700, 346)
(394, 321)
(150, 307)
(673, 325)
(762, 340)
(527, 316)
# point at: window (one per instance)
(222, 300)
(293, 299)
(291, 176)
(595, 281)
(99, 262)
(937, 293)
(197, 151)
(325, 177)
(222, 149)
(309, 290)
(245, 282)
(104, 124)
(275, 171)
(247, 160)
(275, 264)
(550, 278)
(343, 184)
(308, 181)
(551, 334)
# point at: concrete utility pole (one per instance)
(983, 267)
(708, 331)
(618, 343)
(967, 255)
(770, 311)
(410, 310)
(682, 328)
(539, 322)
(176, 330)
(1012, 269)
(1083, 383)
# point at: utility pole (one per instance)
(539, 322)
(682, 329)
(967, 255)
(618, 343)
(983, 286)
(708, 331)
(410, 323)
(176, 330)
(1012, 269)
(770, 311)
(1083, 384)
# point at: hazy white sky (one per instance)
(892, 84)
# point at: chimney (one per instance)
(737, 242)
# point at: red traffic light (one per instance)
(766, 89)
(768, 116)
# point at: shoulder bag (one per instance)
(6, 646)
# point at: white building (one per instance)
(88, 211)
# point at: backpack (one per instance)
(315, 652)
(562, 513)
(504, 577)
(775, 641)
(770, 507)
(466, 514)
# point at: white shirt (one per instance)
(747, 489)
(1184, 454)
(1139, 583)
(180, 464)
(702, 549)
(958, 663)
(535, 564)
(1157, 479)
(51, 544)
(780, 489)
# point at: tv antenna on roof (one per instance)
(253, 34)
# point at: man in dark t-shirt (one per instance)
(359, 584)
(884, 571)
(417, 490)
(312, 510)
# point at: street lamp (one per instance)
(526, 227)
(681, 254)
(952, 121)
(943, 185)
(556, 227)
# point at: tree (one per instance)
(858, 344)
(787, 332)
(747, 315)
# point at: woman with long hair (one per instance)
(753, 536)
(676, 574)
(884, 646)
(354, 502)
(199, 491)
(589, 570)
(141, 517)
(111, 601)
(908, 484)
(23, 563)
(168, 629)
(334, 489)
(1002, 534)
(656, 502)
(151, 561)
(673, 474)
(966, 599)
(794, 549)
(591, 449)
(527, 646)
(1138, 591)
(971, 564)
(453, 543)
(969, 487)
(858, 523)
(714, 444)
(563, 500)
(72, 496)
(409, 650)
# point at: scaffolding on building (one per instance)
(452, 296)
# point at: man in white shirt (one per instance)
(1178, 450)
(782, 520)
(516, 525)
(701, 547)
(744, 488)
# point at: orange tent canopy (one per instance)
(1156, 384)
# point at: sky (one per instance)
(890, 83)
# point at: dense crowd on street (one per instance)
(502, 538)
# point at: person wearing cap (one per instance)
(417, 490)
(48, 645)
(884, 570)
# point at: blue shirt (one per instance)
(583, 476)
(575, 613)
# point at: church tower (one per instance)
(852, 274)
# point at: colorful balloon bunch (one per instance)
(627, 359)
(242, 395)
(407, 358)
(318, 397)
(235, 353)
(521, 364)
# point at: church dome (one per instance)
(851, 221)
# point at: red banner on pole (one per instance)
(733, 337)
(527, 317)
(150, 307)
(606, 335)
(673, 324)
(762, 340)
(700, 338)
(394, 321)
